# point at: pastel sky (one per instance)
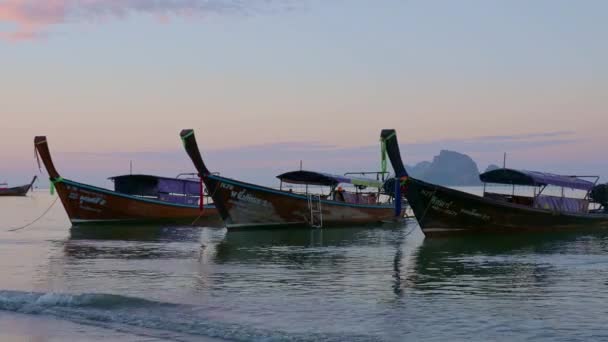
(266, 83)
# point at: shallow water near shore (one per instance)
(350, 284)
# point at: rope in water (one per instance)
(37, 219)
(408, 233)
(201, 214)
(52, 189)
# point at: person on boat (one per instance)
(340, 194)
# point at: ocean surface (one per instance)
(386, 283)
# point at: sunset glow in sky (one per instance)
(114, 80)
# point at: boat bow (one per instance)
(42, 148)
(388, 138)
(189, 140)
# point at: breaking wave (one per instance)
(178, 322)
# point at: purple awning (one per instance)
(534, 178)
(149, 185)
(178, 186)
(322, 178)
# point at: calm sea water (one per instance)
(359, 284)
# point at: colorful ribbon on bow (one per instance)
(383, 141)
(53, 182)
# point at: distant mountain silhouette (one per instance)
(420, 168)
(448, 168)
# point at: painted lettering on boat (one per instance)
(474, 212)
(86, 198)
(438, 204)
(244, 196)
(84, 207)
(446, 207)
(227, 186)
(92, 200)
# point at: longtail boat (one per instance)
(135, 199)
(246, 205)
(21, 190)
(441, 210)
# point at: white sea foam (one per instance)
(172, 321)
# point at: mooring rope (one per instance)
(37, 219)
(429, 205)
(198, 218)
(202, 198)
(37, 158)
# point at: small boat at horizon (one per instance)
(17, 191)
(439, 209)
(135, 199)
(246, 205)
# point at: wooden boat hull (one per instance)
(87, 204)
(18, 190)
(244, 205)
(442, 210)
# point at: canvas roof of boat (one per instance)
(149, 185)
(534, 178)
(326, 179)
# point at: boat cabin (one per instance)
(348, 189)
(173, 190)
(539, 182)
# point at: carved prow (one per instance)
(194, 153)
(31, 184)
(42, 148)
(389, 138)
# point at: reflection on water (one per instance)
(132, 242)
(297, 246)
(382, 283)
(135, 233)
(530, 264)
(458, 265)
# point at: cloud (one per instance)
(34, 18)
(529, 136)
(261, 163)
(495, 144)
(285, 155)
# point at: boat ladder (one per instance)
(316, 212)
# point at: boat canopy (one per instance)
(148, 185)
(326, 179)
(534, 178)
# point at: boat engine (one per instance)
(599, 194)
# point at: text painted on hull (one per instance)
(445, 207)
(244, 196)
(86, 199)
